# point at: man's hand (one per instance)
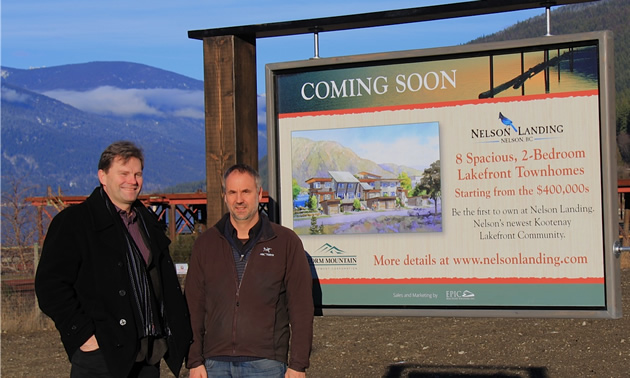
(90, 345)
(293, 374)
(198, 372)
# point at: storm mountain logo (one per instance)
(330, 256)
(328, 249)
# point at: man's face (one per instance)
(122, 182)
(241, 197)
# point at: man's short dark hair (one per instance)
(242, 168)
(124, 150)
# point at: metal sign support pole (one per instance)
(316, 43)
(548, 14)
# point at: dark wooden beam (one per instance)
(230, 112)
(384, 18)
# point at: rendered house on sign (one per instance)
(338, 192)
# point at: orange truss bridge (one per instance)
(179, 212)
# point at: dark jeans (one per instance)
(258, 368)
(92, 365)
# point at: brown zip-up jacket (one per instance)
(251, 319)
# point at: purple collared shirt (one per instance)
(130, 220)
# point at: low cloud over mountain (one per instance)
(112, 101)
(57, 120)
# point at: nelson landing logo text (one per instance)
(509, 132)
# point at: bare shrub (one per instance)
(20, 312)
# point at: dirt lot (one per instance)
(416, 347)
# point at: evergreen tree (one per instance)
(312, 203)
(356, 204)
(315, 229)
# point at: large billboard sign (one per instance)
(475, 180)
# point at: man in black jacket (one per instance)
(108, 282)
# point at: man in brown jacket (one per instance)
(248, 290)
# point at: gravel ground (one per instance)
(415, 347)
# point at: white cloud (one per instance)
(13, 96)
(189, 113)
(109, 100)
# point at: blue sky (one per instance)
(38, 33)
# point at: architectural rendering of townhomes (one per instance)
(337, 193)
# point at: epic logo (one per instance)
(459, 294)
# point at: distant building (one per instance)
(346, 186)
(321, 188)
(367, 175)
(387, 187)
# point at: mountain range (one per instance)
(317, 158)
(55, 121)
